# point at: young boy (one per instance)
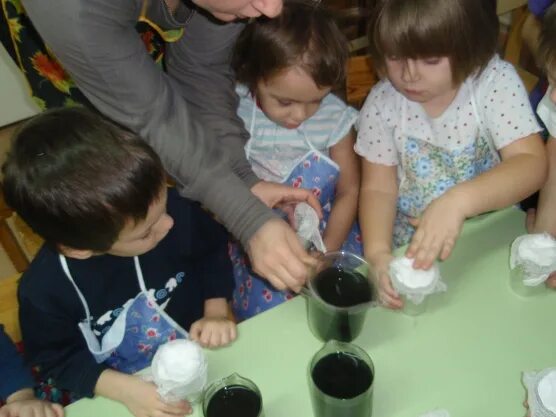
(16, 386)
(126, 267)
(545, 220)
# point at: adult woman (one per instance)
(187, 113)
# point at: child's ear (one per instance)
(75, 253)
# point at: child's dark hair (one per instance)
(305, 34)
(466, 31)
(547, 42)
(77, 179)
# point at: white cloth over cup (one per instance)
(541, 392)
(547, 112)
(179, 370)
(536, 254)
(415, 284)
(436, 413)
(307, 226)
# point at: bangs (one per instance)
(406, 30)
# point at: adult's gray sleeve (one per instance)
(96, 42)
(208, 84)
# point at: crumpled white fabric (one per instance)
(547, 112)
(415, 284)
(307, 226)
(179, 370)
(436, 413)
(536, 254)
(541, 392)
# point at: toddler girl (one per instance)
(301, 133)
(447, 135)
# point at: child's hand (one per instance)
(213, 331)
(143, 400)
(437, 230)
(387, 296)
(24, 404)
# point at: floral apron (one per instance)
(316, 172)
(49, 84)
(427, 171)
(140, 328)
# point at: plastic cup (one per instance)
(233, 396)
(338, 297)
(522, 290)
(341, 377)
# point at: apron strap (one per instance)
(65, 267)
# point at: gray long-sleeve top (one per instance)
(188, 115)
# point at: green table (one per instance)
(464, 354)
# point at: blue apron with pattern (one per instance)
(427, 171)
(140, 328)
(314, 171)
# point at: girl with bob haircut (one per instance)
(301, 133)
(446, 135)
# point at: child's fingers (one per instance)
(551, 281)
(205, 337)
(58, 409)
(415, 243)
(447, 248)
(178, 408)
(233, 332)
(195, 331)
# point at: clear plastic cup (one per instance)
(519, 288)
(341, 381)
(412, 309)
(338, 297)
(233, 396)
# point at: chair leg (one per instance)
(13, 250)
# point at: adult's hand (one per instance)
(277, 255)
(281, 196)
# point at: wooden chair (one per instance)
(8, 239)
(9, 315)
(360, 78)
(514, 49)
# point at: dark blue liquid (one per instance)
(234, 401)
(341, 289)
(343, 376)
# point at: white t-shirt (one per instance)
(502, 107)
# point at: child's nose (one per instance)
(410, 72)
(299, 114)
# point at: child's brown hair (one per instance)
(547, 43)
(466, 31)
(304, 34)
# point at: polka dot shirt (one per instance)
(503, 111)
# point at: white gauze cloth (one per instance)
(179, 370)
(436, 413)
(541, 392)
(307, 226)
(547, 112)
(415, 284)
(536, 254)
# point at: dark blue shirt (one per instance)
(189, 266)
(14, 375)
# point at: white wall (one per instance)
(15, 102)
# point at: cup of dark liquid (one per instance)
(341, 379)
(233, 396)
(338, 296)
